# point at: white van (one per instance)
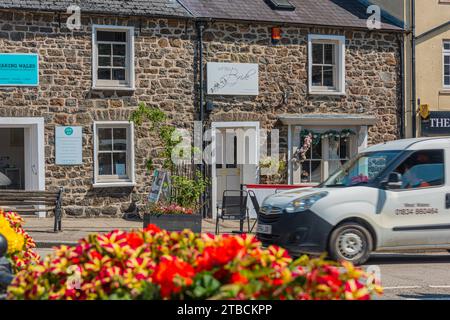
(393, 196)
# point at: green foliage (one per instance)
(167, 133)
(188, 191)
(204, 286)
(155, 115)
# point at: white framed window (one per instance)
(326, 64)
(113, 154)
(446, 64)
(112, 57)
(327, 153)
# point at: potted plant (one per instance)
(182, 210)
(172, 217)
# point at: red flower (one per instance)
(152, 229)
(238, 278)
(227, 250)
(96, 255)
(171, 274)
(134, 240)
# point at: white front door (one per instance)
(228, 171)
(236, 156)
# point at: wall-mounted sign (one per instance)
(232, 78)
(438, 123)
(19, 69)
(68, 146)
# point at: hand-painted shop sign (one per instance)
(438, 123)
(232, 78)
(19, 69)
(68, 146)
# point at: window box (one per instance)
(175, 222)
(113, 58)
(326, 64)
(113, 154)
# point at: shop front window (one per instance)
(328, 152)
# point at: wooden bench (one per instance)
(21, 201)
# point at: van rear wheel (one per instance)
(350, 242)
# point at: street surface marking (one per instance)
(443, 287)
(402, 287)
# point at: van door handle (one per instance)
(447, 201)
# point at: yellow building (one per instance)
(426, 63)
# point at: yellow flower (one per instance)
(15, 240)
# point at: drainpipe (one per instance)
(200, 28)
(413, 68)
(402, 93)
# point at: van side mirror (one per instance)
(394, 181)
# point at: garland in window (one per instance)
(318, 136)
(311, 138)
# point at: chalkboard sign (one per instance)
(160, 186)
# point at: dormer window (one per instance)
(280, 4)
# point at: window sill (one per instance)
(445, 92)
(115, 184)
(326, 93)
(113, 88)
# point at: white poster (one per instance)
(232, 78)
(68, 145)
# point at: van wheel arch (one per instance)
(363, 223)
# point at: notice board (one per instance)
(68, 146)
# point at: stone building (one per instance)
(311, 66)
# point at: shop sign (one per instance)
(232, 78)
(68, 146)
(438, 123)
(19, 69)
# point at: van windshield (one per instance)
(361, 170)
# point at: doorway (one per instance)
(12, 158)
(235, 162)
(22, 154)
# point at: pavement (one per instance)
(404, 276)
(73, 229)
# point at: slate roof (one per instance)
(349, 13)
(334, 13)
(166, 8)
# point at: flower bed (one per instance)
(20, 245)
(156, 264)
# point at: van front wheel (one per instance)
(350, 242)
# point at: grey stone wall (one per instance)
(373, 79)
(164, 78)
(164, 62)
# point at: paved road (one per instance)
(411, 276)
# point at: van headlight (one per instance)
(304, 203)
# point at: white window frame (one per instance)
(445, 53)
(129, 62)
(102, 182)
(339, 41)
(325, 160)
